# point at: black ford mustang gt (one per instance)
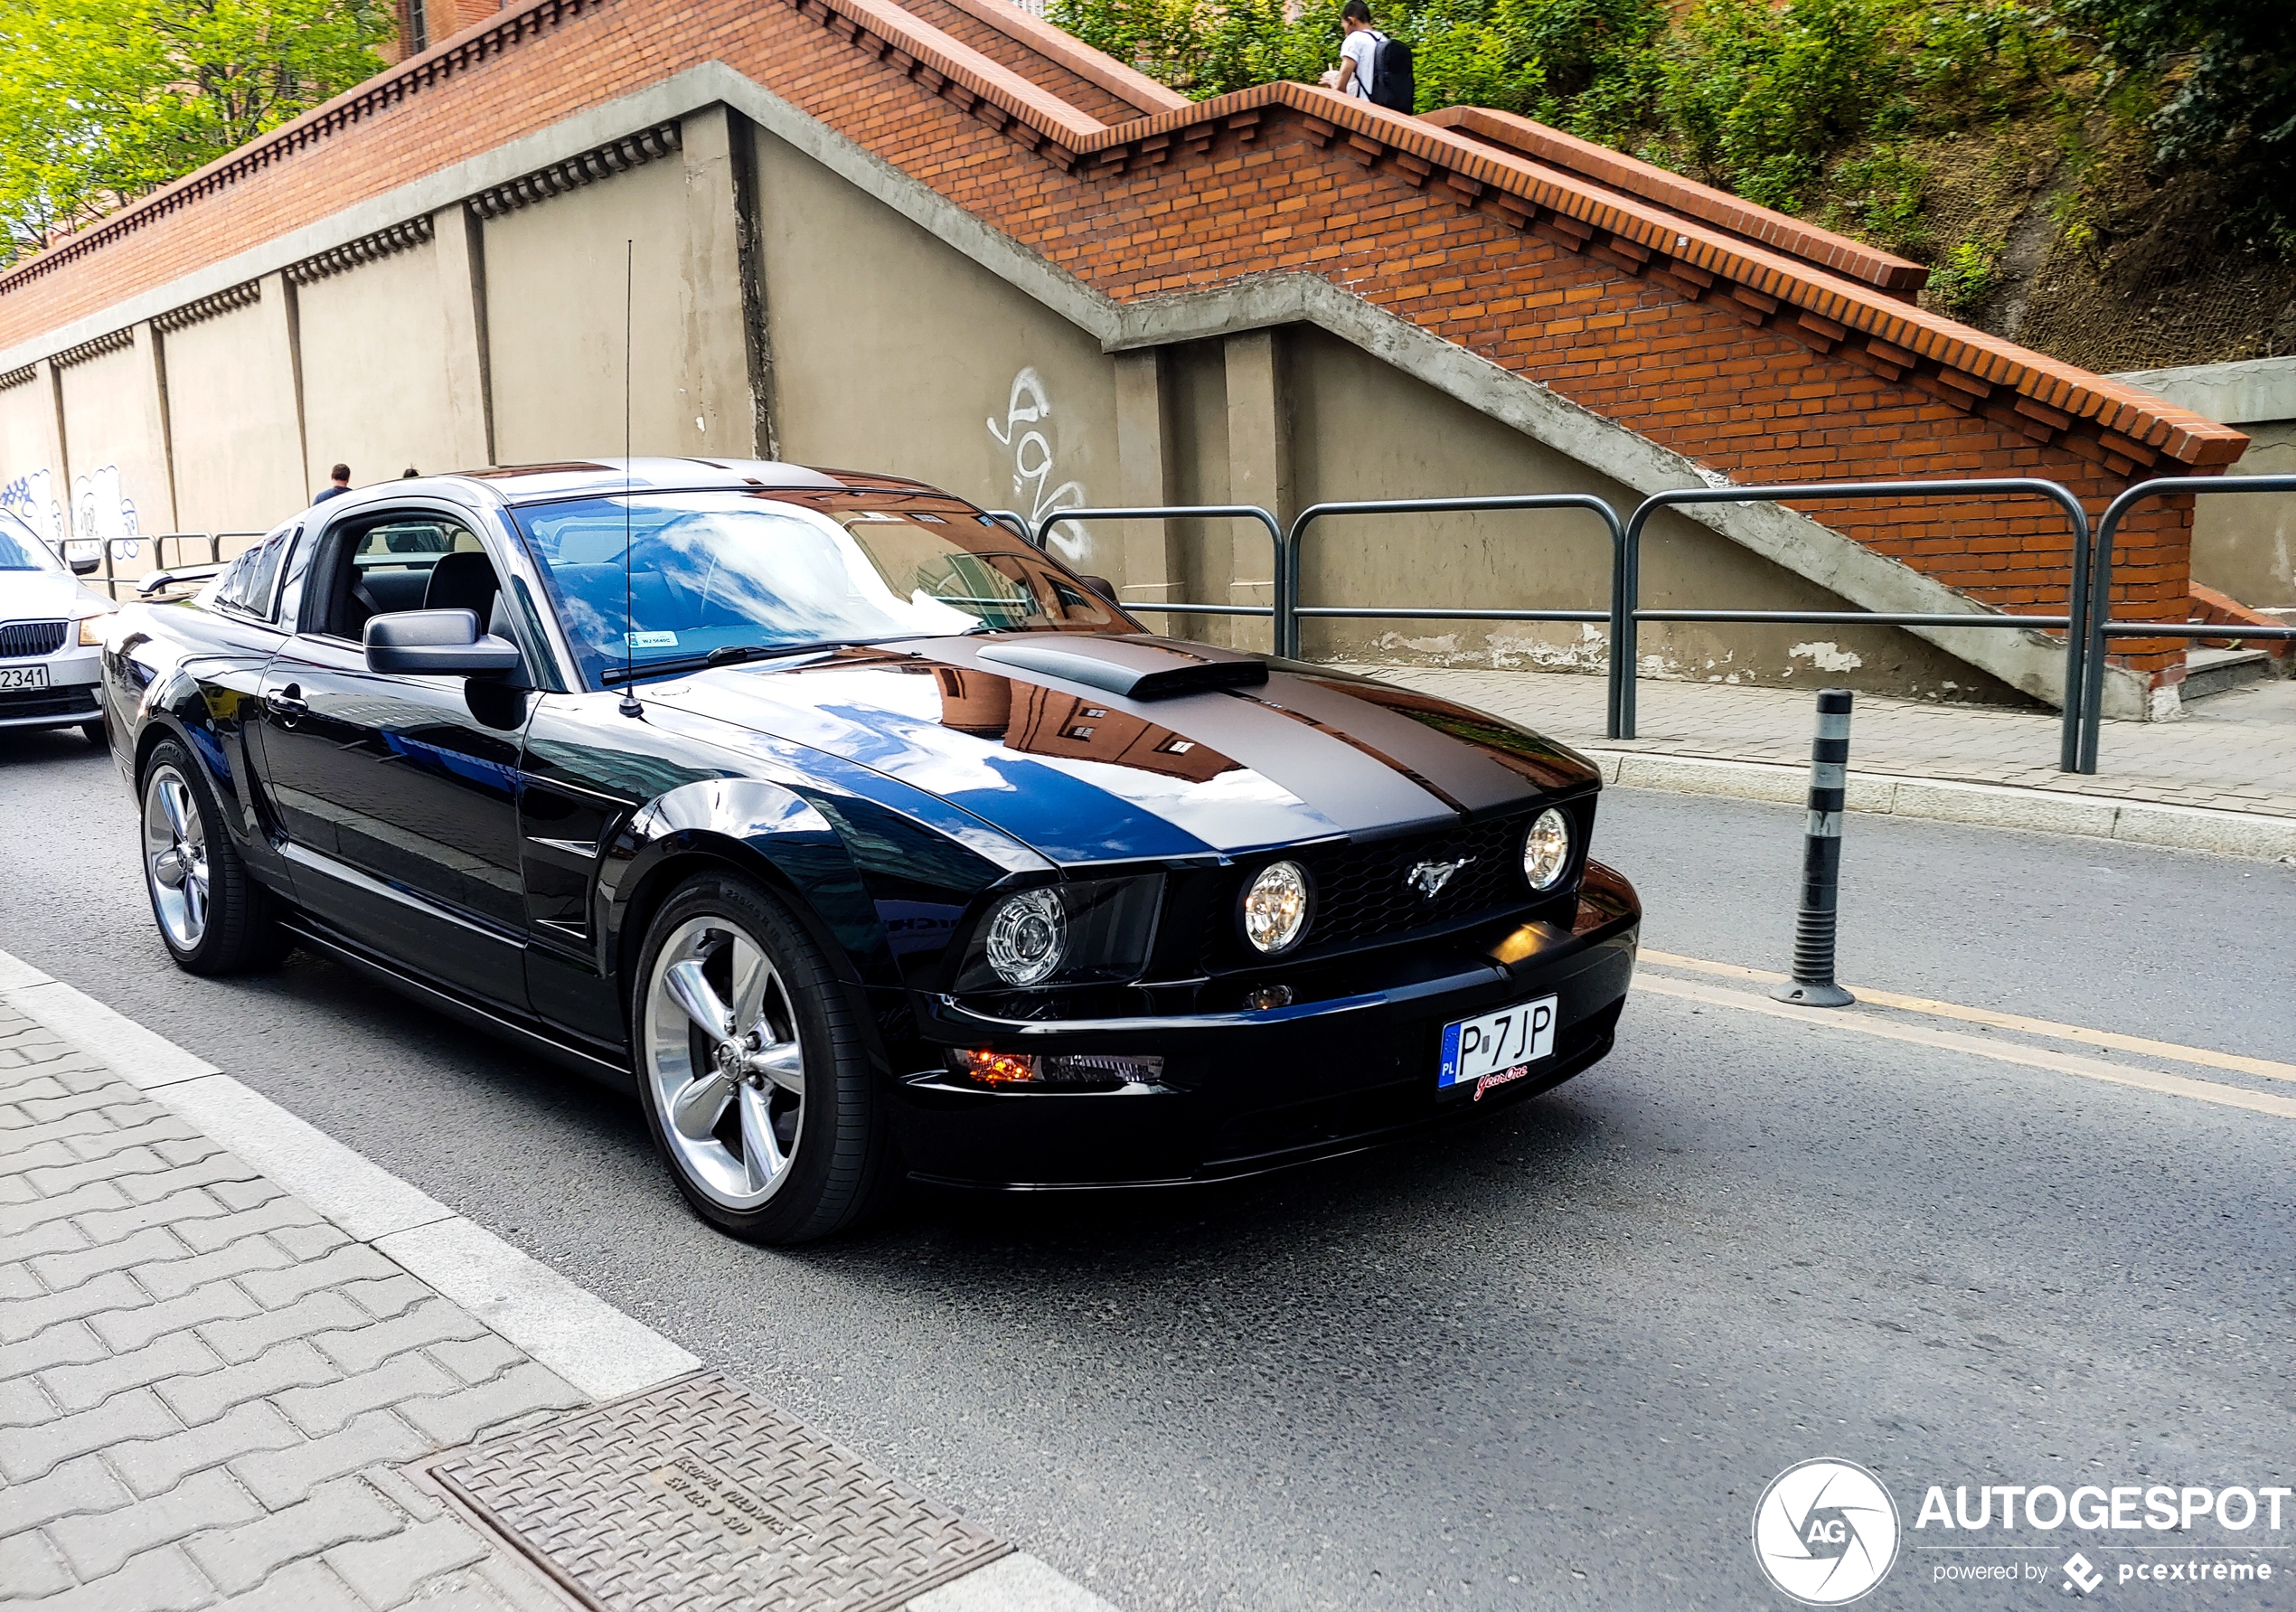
(862, 836)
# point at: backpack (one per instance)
(1392, 85)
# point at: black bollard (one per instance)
(1814, 925)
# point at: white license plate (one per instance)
(20, 677)
(1496, 1048)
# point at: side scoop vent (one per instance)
(1135, 672)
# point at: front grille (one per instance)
(22, 638)
(71, 700)
(1360, 890)
(1361, 893)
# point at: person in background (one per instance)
(1359, 52)
(338, 483)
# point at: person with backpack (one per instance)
(1372, 67)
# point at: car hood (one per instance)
(1082, 775)
(46, 596)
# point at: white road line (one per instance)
(599, 1349)
(2143, 1046)
(2066, 1063)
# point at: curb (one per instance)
(1949, 800)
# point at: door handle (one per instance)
(288, 701)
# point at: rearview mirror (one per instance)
(437, 642)
(1099, 585)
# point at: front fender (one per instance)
(174, 705)
(771, 831)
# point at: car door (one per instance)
(397, 793)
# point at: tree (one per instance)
(102, 102)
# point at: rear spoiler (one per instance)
(160, 580)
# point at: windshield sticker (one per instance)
(652, 640)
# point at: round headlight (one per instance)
(1547, 849)
(1276, 907)
(1028, 935)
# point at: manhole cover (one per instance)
(697, 1495)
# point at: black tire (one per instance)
(842, 1164)
(240, 930)
(96, 734)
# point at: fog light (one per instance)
(1276, 907)
(1004, 1071)
(1547, 849)
(1266, 998)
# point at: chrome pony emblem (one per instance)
(1428, 878)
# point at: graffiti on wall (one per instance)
(102, 512)
(31, 499)
(1026, 435)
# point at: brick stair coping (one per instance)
(2132, 429)
(1126, 83)
(1617, 171)
(2211, 606)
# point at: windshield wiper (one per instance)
(728, 654)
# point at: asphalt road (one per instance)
(1552, 1360)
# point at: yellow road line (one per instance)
(2263, 1068)
(2066, 1063)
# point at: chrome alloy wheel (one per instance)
(720, 1046)
(176, 857)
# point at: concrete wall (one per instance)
(375, 393)
(2242, 544)
(1364, 431)
(121, 491)
(33, 484)
(234, 415)
(890, 351)
(783, 304)
(555, 278)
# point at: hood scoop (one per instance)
(1132, 671)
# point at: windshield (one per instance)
(21, 549)
(737, 570)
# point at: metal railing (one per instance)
(1188, 512)
(2101, 627)
(1290, 611)
(2086, 623)
(1630, 582)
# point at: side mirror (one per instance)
(1101, 586)
(84, 567)
(437, 643)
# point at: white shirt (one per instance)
(1362, 48)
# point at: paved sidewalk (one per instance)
(2232, 752)
(207, 1389)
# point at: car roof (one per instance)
(528, 483)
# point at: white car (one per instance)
(51, 637)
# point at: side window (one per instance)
(413, 562)
(248, 583)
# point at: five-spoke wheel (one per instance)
(722, 1053)
(213, 915)
(753, 1066)
(176, 857)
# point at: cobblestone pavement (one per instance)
(2234, 751)
(207, 1389)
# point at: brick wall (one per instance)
(1753, 360)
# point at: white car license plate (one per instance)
(1496, 1048)
(21, 678)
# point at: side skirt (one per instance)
(604, 1070)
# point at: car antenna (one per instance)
(630, 706)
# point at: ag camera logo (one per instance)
(1825, 1531)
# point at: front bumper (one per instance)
(70, 700)
(1247, 1092)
